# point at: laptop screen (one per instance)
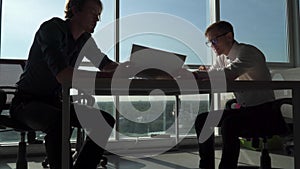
(148, 57)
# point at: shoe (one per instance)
(202, 167)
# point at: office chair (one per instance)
(280, 128)
(7, 124)
(11, 69)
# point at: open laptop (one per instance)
(155, 63)
(147, 57)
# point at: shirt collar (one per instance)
(232, 53)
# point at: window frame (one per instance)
(292, 35)
(292, 32)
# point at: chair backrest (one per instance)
(281, 126)
(276, 125)
(10, 70)
(3, 98)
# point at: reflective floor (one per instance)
(177, 159)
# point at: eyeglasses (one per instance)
(214, 41)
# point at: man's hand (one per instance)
(203, 68)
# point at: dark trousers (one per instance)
(234, 123)
(45, 115)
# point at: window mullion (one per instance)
(293, 32)
(214, 10)
(0, 26)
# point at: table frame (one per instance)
(142, 87)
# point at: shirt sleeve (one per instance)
(94, 54)
(218, 65)
(246, 59)
(50, 39)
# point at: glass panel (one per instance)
(106, 103)
(104, 34)
(260, 23)
(145, 116)
(190, 107)
(175, 26)
(18, 28)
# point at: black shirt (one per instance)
(54, 49)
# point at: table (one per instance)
(142, 87)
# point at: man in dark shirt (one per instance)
(57, 45)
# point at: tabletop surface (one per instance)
(170, 86)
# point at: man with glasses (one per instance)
(237, 61)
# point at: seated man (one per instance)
(238, 62)
(52, 60)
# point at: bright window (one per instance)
(260, 23)
(175, 26)
(20, 21)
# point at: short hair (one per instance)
(221, 26)
(78, 4)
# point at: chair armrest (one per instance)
(4, 92)
(230, 103)
(3, 99)
(83, 98)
